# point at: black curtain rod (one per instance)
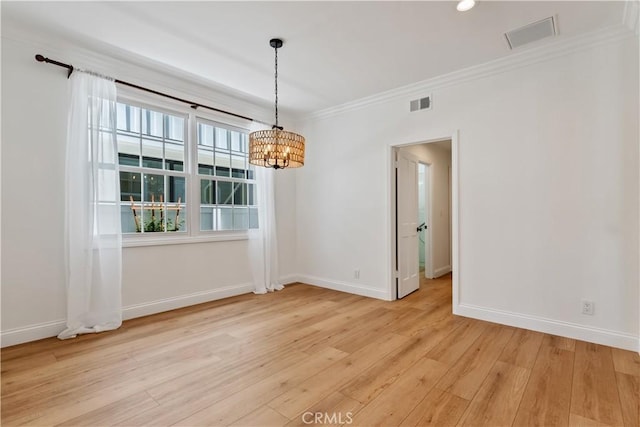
(193, 105)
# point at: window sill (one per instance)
(133, 241)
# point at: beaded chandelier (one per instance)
(276, 148)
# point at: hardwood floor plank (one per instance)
(594, 393)
(323, 384)
(505, 384)
(559, 342)
(626, 362)
(66, 406)
(114, 413)
(263, 417)
(236, 406)
(401, 397)
(437, 409)
(522, 348)
(629, 391)
(184, 400)
(235, 363)
(467, 374)
(578, 421)
(374, 380)
(547, 398)
(14, 366)
(453, 346)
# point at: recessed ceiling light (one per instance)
(464, 5)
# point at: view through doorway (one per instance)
(423, 187)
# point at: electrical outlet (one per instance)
(356, 274)
(587, 307)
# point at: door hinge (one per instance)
(396, 274)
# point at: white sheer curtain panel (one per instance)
(263, 241)
(93, 239)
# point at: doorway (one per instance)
(424, 226)
(424, 219)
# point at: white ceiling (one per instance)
(334, 52)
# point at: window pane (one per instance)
(130, 222)
(239, 194)
(153, 188)
(207, 192)
(224, 218)
(128, 118)
(151, 153)
(240, 218)
(238, 164)
(222, 163)
(129, 150)
(130, 186)
(205, 162)
(152, 123)
(251, 196)
(245, 143)
(236, 141)
(174, 128)
(253, 217)
(153, 217)
(222, 140)
(128, 160)
(225, 195)
(176, 214)
(205, 135)
(206, 218)
(177, 187)
(174, 156)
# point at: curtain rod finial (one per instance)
(40, 58)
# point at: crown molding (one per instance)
(112, 61)
(559, 48)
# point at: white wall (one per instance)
(440, 160)
(157, 278)
(548, 188)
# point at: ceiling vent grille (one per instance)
(531, 33)
(420, 104)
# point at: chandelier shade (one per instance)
(276, 148)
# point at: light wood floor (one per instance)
(267, 360)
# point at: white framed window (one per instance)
(183, 178)
(226, 179)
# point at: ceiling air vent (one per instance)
(420, 104)
(531, 33)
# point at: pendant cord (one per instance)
(276, 78)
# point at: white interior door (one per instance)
(407, 220)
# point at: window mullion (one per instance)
(193, 199)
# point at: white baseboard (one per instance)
(289, 279)
(442, 271)
(550, 326)
(52, 329)
(32, 332)
(351, 288)
(167, 304)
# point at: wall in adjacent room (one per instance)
(548, 187)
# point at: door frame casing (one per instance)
(428, 244)
(455, 217)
